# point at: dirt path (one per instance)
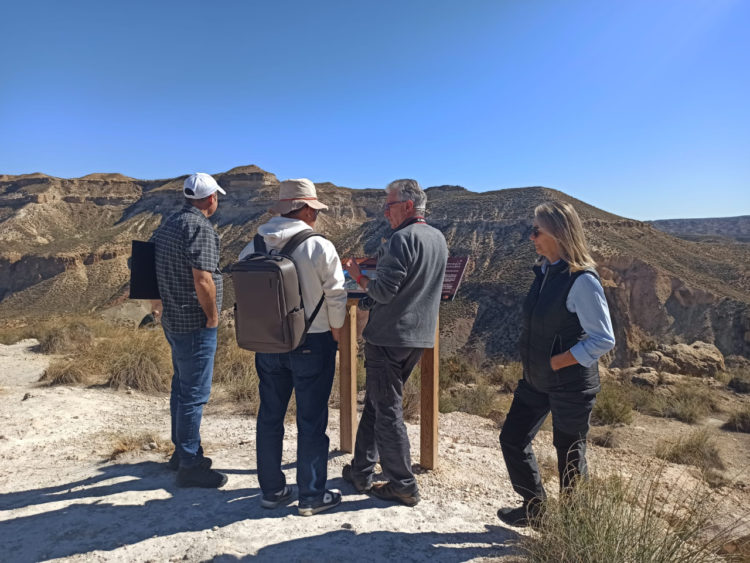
(58, 500)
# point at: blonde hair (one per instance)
(561, 222)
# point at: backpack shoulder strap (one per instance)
(290, 247)
(298, 239)
(259, 244)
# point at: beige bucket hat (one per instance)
(293, 194)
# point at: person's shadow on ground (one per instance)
(348, 545)
(121, 517)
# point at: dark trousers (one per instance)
(193, 364)
(382, 433)
(308, 371)
(571, 413)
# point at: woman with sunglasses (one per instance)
(566, 328)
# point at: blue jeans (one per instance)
(308, 371)
(193, 364)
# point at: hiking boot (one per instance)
(277, 499)
(360, 485)
(528, 514)
(331, 498)
(174, 462)
(386, 491)
(200, 476)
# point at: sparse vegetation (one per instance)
(479, 399)
(234, 368)
(690, 402)
(64, 372)
(613, 405)
(147, 441)
(739, 380)
(739, 420)
(699, 449)
(137, 359)
(619, 519)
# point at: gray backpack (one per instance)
(269, 315)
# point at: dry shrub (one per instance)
(131, 358)
(65, 372)
(506, 376)
(59, 335)
(739, 421)
(604, 438)
(690, 402)
(234, 369)
(457, 370)
(622, 520)
(698, 448)
(66, 338)
(739, 380)
(144, 441)
(138, 359)
(613, 406)
(480, 399)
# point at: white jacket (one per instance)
(318, 267)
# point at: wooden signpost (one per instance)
(430, 368)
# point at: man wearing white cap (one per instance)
(190, 285)
(308, 370)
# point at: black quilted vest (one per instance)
(549, 329)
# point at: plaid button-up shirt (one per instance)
(185, 241)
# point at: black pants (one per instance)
(382, 433)
(571, 413)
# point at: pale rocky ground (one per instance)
(60, 501)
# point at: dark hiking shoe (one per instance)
(360, 485)
(277, 499)
(386, 491)
(200, 476)
(174, 462)
(522, 516)
(331, 498)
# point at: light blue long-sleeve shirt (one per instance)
(586, 299)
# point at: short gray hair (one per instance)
(409, 190)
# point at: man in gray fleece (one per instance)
(403, 301)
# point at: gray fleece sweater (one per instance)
(405, 296)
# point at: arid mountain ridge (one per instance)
(64, 245)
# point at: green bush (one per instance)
(626, 520)
(613, 406)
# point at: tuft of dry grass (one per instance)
(131, 358)
(143, 441)
(234, 369)
(739, 420)
(505, 376)
(625, 519)
(739, 380)
(66, 338)
(65, 372)
(690, 402)
(604, 438)
(698, 448)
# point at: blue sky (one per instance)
(640, 107)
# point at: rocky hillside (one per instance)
(64, 245)
(717, 228)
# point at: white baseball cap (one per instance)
(200, 185)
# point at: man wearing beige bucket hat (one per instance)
(308, 370)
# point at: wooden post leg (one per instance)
(348, 378)
(430, 366)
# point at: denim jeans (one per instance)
(382, 433)
(308, 370)
(193, 364)
(571, 413)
